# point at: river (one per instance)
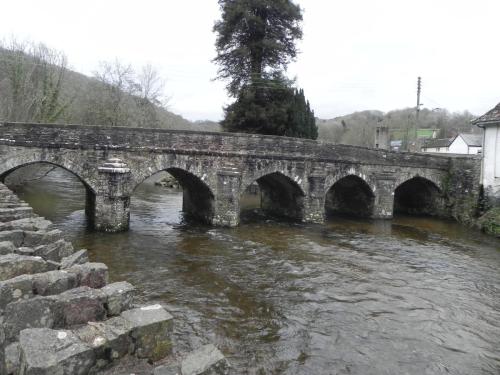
(407, 296)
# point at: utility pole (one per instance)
(419, 90)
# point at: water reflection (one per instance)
(408, 296)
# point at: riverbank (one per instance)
(60, 315)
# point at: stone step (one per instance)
(27, 224)
(70, 308)
(144, 332)
(9, 214)
(12, 265)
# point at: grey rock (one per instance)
(78, 257)
(27, 224)
(12, 265)
(207, 360)
(14, 236)
(37, 238)
(17, 288)
(52, 352)
(7, 247)
(12, 358)
(29, 251)
(55, 251)
(110, 340)
(38, 312)
(54, 282)
(169, 369)
(81, 305)
(93, 275)
(151, 330)
(119, 297)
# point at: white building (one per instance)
(490, 175)
(470, 144)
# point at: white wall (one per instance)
(491, 159)
(458, 146)
(441, 150)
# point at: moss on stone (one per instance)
(490, 222)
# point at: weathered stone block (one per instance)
(54, 282)
(9, 214)
(38, 312)
(12, 265)
(37, 238)
(55, 251)
(93, 275)
(110, 340)
(14, 236)
(81, 305)
(27, 224)
(7, 247)
(207, 360)
(28, 251)
(78, 257)
(119, 297)
(169, 369)
(151, 330)
(51, 352)
(20, 287)
(12, 358)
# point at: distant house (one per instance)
(461, 144)
(490, 122)
(437, 145)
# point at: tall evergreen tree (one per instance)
(255, 43)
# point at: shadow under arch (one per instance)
(30, 174)
(418, 196)
(198, 200)
(280, 196)
(350, 196)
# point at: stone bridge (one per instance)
(299, 179)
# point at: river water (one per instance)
(407, 296)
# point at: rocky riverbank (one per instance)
(61, 316)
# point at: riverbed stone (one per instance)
(110, 340)
(54, 282)
(14, 236)
(9, 214)
(37, 312)
(54, 352)
(207, 360)
(93, 275)
(27, 224)
(81, 305)
(20, 287)
(79, 257)
(7, 247)
(151, 330)
(28, 251)
(12, 358)
(168, 369)
(119, 297)
(12, 265)
(55, 251)
(41, 237)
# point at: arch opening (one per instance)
(418, 196)
(198, 202)
(350, 196)
(53, 191)
(274, 195)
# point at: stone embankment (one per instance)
(60, 315)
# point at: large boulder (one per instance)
(81, 305)
(151, 330)
(93, 275)
(52, 352)
(12, 265)
(119, 297)
(207, 360)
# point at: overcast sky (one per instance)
(355, 55)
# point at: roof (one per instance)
(433, 143)
(473, 140)
(490, 117)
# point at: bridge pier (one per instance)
(384, 197)
(227, 200)
(111, 212)
(314, 202)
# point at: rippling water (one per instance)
(408, 296)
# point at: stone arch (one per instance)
(350, 195)
(280, 195)
(4, 173)
(198, 201)
(418, 196)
